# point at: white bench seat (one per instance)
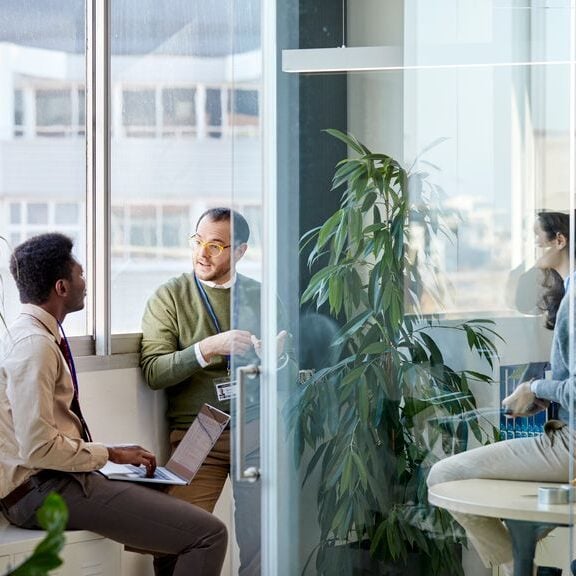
(84, 554)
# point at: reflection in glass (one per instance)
(481, 111)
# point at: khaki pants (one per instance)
(207, 485)
(540, 459)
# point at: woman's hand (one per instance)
(523, 402)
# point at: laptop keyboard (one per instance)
(141, 471)
(161, 474)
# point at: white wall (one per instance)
(120, 408)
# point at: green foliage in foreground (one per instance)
(52, 516)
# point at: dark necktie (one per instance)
(75, 406)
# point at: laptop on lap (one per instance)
(187, 458)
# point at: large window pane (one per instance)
(172, 141)
(42, 147)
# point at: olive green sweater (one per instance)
(174, 320)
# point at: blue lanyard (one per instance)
(207, 304)
(211, 312)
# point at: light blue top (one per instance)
(561, 385)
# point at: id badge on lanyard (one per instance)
(225, 387)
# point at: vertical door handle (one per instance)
(243, 473)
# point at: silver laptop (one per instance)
(187, 458)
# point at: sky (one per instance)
(202, 27)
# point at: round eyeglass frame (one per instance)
(214, 249)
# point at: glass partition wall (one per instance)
(399, 193)
(403, 194)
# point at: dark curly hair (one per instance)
(239, 225)
(39, 263)
(552, 223)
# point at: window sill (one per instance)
(125, 353)
(113, 362)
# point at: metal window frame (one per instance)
(98, 173)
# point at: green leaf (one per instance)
(368, 201)
(316, 283)
(363, 401)
(52, 517)
(348, 139)
(362, 472)
(354, 375)
(435, 354)
(314, 461)
(328, 227)
(376, 348)
(480, 376)
(335, 293)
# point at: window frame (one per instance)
(100, 349)
(98, 182)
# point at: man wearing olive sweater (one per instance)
(187, 343)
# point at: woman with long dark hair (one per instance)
(543, 458)
(553, 236)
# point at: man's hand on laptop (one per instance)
(135, 455)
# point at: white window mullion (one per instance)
(29, 104)
(158, 110)
(117, 127)
(225, 94)
(159, 236)
(98, 170)
(74, 110)
(200, 101)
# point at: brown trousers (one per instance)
(184, 539)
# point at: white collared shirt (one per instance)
(211, 284)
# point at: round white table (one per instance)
(516, 503)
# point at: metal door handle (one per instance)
(243, 474)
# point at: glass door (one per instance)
(403, 185)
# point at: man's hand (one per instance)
(280, 344)
(135, 455)
(226, 343)
(523, 402)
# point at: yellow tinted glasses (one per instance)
(213, 249)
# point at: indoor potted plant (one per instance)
(372, 423)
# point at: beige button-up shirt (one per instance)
(37, 428)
